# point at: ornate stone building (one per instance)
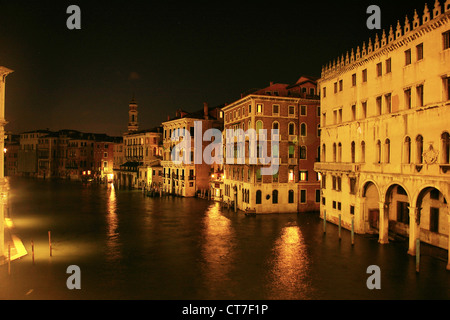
(385, 133)
(3, 185)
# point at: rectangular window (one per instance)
(352, 209)
(341, 85)
(259, 108)
(364, 109)
(379, 69)
(379, 105)
(317, 195)
(291, 151)
(419, 51)
(303, 175)
(324, 92)
(249, 108)
(335, 87)
(302, 196)
(291, 110)
(354, 79)
(303, 110)
(339, 206)
(408, 57)
(446, 38)
(364, 75)
(334, 204)
(388, 100)
(388, 65)
(434, 219)
(446, 83)
(352, 185)
(408, 98)
(275, 109)
(419, 90)
(402, 212)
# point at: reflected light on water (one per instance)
(217, 251)
(112, 242)
(290, 266)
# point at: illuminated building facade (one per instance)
(3, 188)
(385, 133)
(294, 111)
(188, 179)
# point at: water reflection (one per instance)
(218, 251)
(290, 266)
(112, 242)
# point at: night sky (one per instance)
(170, 54)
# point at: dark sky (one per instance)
(171, 54)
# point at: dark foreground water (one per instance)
(133, 247)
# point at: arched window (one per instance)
(258, 196)
(324, 153)
(275, 196)
(339, 152)
(387, 151)
(291, 128)
(378, 152)
(407, 150)
(445, 141)
(303, 129)
(353, 151)
(334, 152)
(259, 126)
(275, 125)
(363, 151)
(419, 149)
(291, 196)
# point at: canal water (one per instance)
(129, 246)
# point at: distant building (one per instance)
(139, 149)
(293, 187)
(385, 133)
(189, 179)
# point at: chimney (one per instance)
(205, 110)
(271, 83)
(168, 117)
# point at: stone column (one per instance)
(383, 224)
(414, 230)
(448, 258)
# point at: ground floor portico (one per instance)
(409, 206)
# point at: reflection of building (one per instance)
(186, 179)
(385, 133)
(293, 187)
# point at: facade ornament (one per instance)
(430, 156)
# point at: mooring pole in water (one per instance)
(417, 254)
(339, 226)
(9, 259)
(324, 221)
(353, 231)
(50, 243)
(32, 250)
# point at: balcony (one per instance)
(337, 166)
(293, 161)
(293, 137)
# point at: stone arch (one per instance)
(370, 206)
(397, 203)
(433, 218)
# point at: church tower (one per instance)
(133, 124)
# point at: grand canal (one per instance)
(129, 246)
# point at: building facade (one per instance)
(180, 177)
(293, 186)
(385, 133)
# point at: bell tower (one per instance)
(133, 124)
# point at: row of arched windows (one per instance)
(274, 196)
(292, 128)
(412, 151)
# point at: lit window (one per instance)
(303, 176)
(291, 175)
